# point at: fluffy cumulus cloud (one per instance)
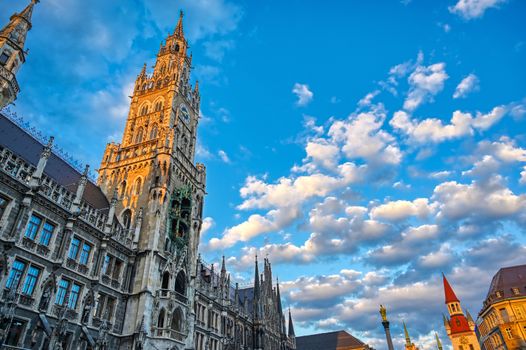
(402, 209)
(470, 9)
(466, 86)
(303, 93)
(434, 130)
(362, 136)
(425, 82)
(349, 203)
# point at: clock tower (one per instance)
(158, 193)
(460, 329)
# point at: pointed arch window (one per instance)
(158, 106)
(153, 132)
(122, 189)
(126, 219)
(139, 135)
(180, 283)
(160, 319)
(177, 320)
(138, 186)
(144, 110)
(166, 280)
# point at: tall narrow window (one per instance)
(15, 274)
(122, 189)
(63, 287)
(126, 219)
(32, 227)
(47, 233)
(153, 133)
(138, 186)
(31, 280)
(110, 306)
(3, 205)
(138, 137)
(106, 269)
(74, 296)
(74, 248)
(84, 255)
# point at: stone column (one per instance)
(388, 335)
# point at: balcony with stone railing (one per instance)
(168, 294)
(170, 333)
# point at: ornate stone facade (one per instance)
(115, 265)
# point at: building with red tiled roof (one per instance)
(460, 328)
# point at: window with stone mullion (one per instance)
(32, 227)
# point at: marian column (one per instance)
(385, 323)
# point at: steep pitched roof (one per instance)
(25, 146)
(339, 340)
(449, 294)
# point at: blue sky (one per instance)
(365, 147)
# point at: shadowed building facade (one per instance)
(115, 264)
(502, 320)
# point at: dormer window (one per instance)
(515, 291)
(498, 294)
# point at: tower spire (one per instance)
(12, 41)
(407, 338)
(439, 343)
(291, 326)
(449, 294)
(179, 27)
(18, 26)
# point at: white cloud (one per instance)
(433, 130)
(484, 168)
(522, 179)
(467, 85)
(224, 157)
(202, 152)
(410, 245)
(441, 174)
(323, 153)
(255, 225)
(402, 209)
(486, 201)
(425, 82)
(303, 93)
(470, 9)
(208, 223)
(504, 150)
(292, 191)
(362, 136)
(367, 99)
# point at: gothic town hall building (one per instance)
(115, 264)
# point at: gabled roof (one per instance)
(28, 148)
(328, 341)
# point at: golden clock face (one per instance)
(183, 111)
